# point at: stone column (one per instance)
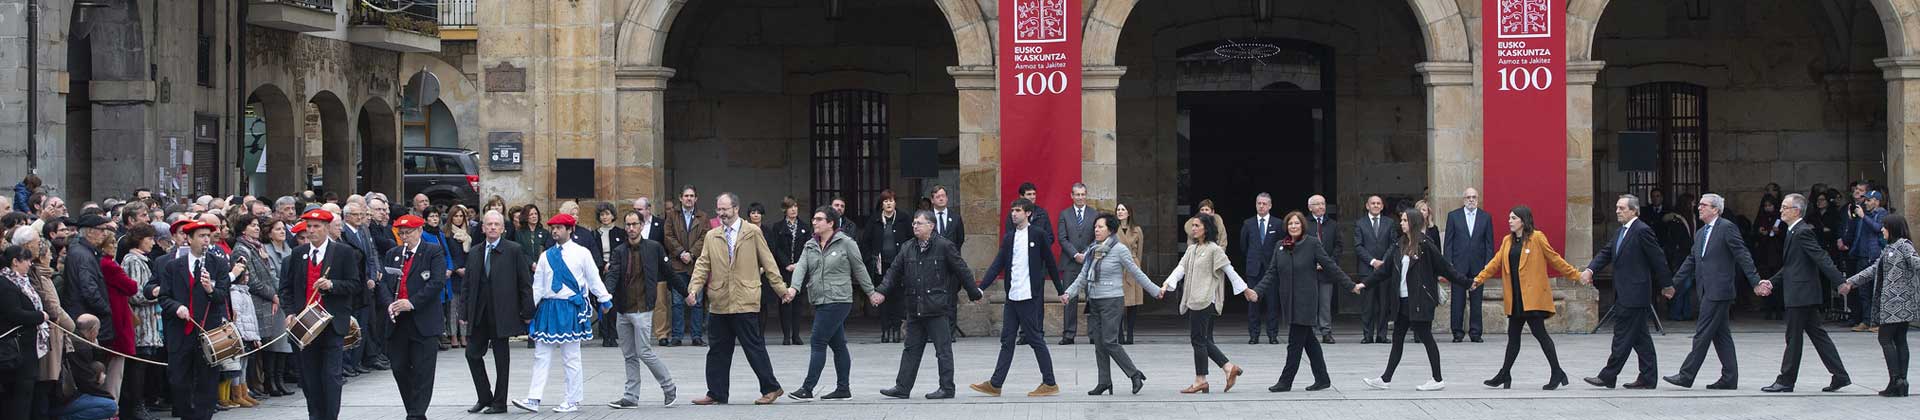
(1453, 147)
(641, 97)
(979, 198)
(1099, 148)
(1580, 303)
(1903, 131)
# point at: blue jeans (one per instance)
(829, 330)
(688, 321)
(90, 407)
(1860, 300)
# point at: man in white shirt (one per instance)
(564, 277)
(1025, 262)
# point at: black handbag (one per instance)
(10, 349)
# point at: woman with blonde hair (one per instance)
(459, 240)
(1207, 274)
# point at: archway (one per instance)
(329, 144)
(379, 149)
(271, 150)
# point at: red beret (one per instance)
(562, 219)
(409, 222)
(190, 227)
(299, 227)
(321, 216)
(177, 224)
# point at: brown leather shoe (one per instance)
(1201, 388)
(1045, 391)
(704, 400)
(770, 397)
(986, 388)
(1233, 373)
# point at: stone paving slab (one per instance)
(1166, 358)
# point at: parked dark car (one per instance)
(446, 175)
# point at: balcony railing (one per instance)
(457, 13)
(420, 18)
(323, 5)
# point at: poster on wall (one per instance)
(1039, 52)
(1524, 105)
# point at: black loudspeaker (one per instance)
(919, 157)
(1639, 151)
(573, 178)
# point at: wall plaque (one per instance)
(504, 151)
(506, 78)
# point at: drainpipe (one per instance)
(33, 86)
(237, 47)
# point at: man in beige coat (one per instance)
(729, 270)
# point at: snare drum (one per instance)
(308, 326)
(220, 344)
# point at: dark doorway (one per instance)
(1255, 116)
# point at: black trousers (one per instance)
(320, 379)
(1299, 340)
(1713, 330)
(496, 395)
(726, 330)
(1421, 329)
(1538, 323)
(193, 380)
(1373, 313)
(1022, 319)
(1465, 308)
(1803, 322)
(1200, 332)
(1265, 312)
(378, 328)
(1893, 343)
(1630, 337)
(17, 388)
(918, 331)
(412, 355)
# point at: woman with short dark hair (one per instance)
(1109, 265)
(1894, 282)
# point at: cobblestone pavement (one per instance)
(1166, 359)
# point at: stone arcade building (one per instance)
(810, 98)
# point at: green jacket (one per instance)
(827, 275)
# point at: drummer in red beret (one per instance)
(306, 277)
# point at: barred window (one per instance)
(1676, 112)
(850, 148)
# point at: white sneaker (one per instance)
(1432, 386)
(531, 405)
(567, 408)
(1376, 383)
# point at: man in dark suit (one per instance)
(1323, 227)
(1639, 267)
(1655, 209)
(1076, 235)
(1469, 245)
(1373, 234)
(1803, 271)
(307, 276)
(499, 297)
(1026, 262)
(194, 288)
(1717, 263)
(948, 224)
(419, 270)
(1258, 235)
(379, 293)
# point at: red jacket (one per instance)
(120, 287)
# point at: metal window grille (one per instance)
(1677, 113)
(850, 148)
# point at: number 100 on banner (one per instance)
(1039, 83)
(1526, 78)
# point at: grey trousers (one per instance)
(1325, 324)
(636, 328)
(1103, 325)
(1070, 316)
(1712, 330)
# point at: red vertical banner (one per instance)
(1524, 106)
(1039, 55)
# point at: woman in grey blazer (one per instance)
(1103, 277)
(1896, 291)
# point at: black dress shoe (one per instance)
(478, 406)
(1775, 388)
(676, 343)
(1640, 385)
(349, 373)
(1273, 339)
(1102, 389)
(1366, 339)
(1679, 381)
(497, 409)
(896, 393)
(697, 342)
(944, 394)
(1459, 337)
(797, 342)
(1326, 339)
(1723, 385)
(1281, 387)
(1895, 388)
(1599, 382)
(610, 343)
(663, 342)
(1066, 341)
(1477, 339)
(1319, 386)
(1838, 383)
(1253, 340)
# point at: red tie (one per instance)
(405, 269)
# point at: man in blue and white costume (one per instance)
(562, 279)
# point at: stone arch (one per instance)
(642, 38)
(280, 143)
(379, 146)
(1900, 20)
(1442, 26)
(336, 149)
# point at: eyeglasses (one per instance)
(922, 223)
(819, 219)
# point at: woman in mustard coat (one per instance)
(1524, 260)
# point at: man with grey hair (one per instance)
(1803, 272)
(1259, 233)
(1322, 226)
(285, 209)
(354, 234)
(1717, 263)
(1639, 266)
(1469, 243)
(1076, 235)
